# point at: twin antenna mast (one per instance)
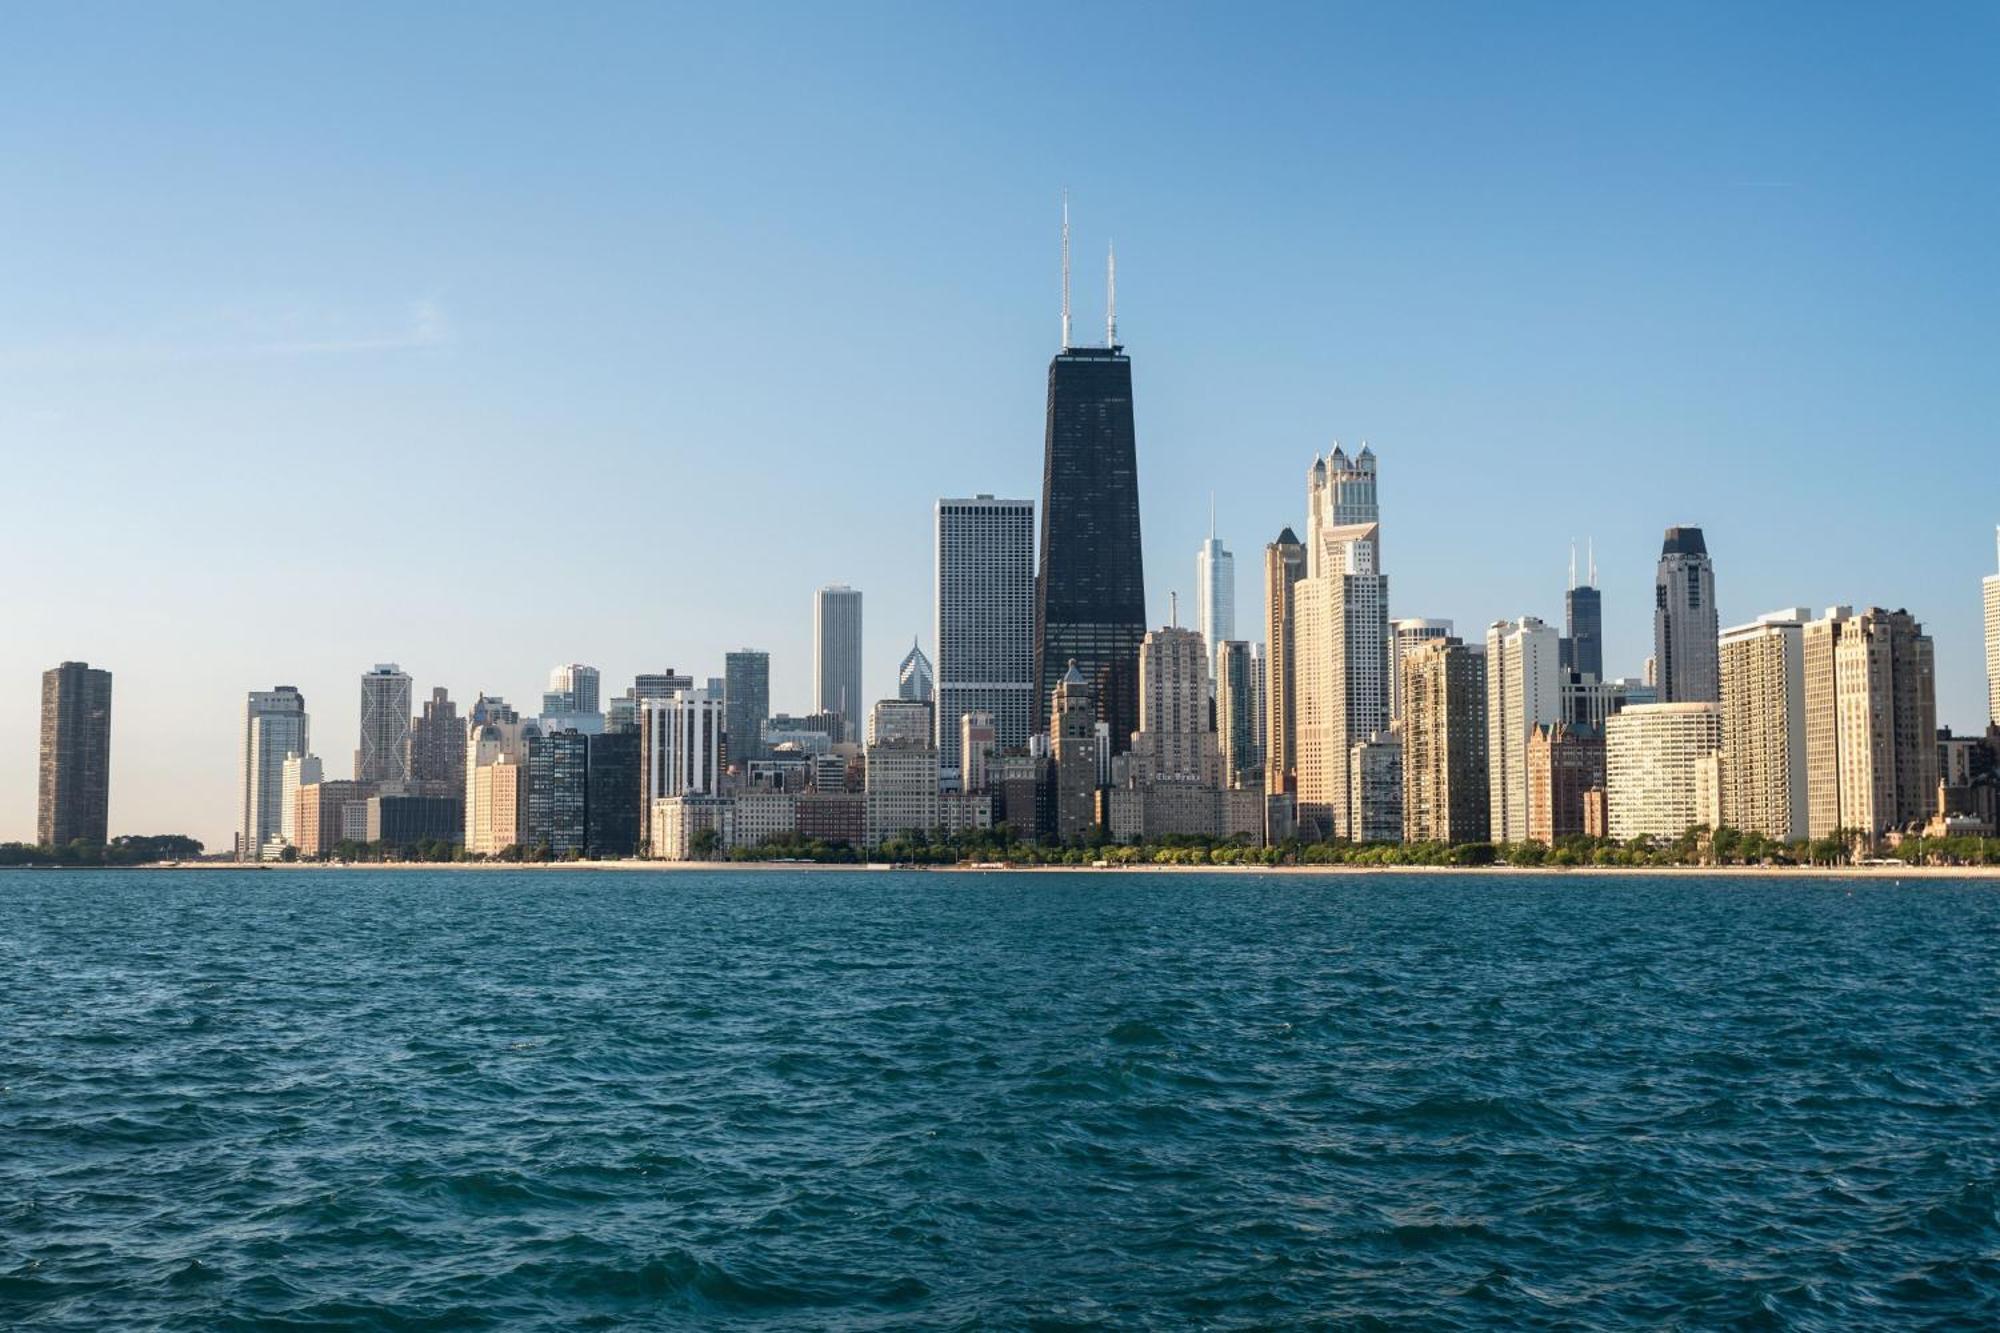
(1110, 286)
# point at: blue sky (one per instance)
(480, 339)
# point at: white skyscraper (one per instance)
(1654, 754)
(837, 655)
(384, 752)
(1523, 691)
(680, 745)
(301, 770)
(1214, 594)
(274, 725)
(914, 680)
(1992, 586)
(985, 622)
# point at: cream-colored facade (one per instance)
(1176, 741)
(1653, 754)
(1764, 726)
(1341, 655)
(1871, 723)
(1523, 691)
(677, 819)
(499, 805)
(1992, 589)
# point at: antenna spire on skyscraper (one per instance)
(1593, 561)
(1111, 297)
(1065, 262)
(1572, 564)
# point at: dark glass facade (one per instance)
(746, 694)
(75, 779)
(1090, 589)
(611, 810)
(558, 791)
(1582, 648)
(405, 821)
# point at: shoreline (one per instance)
(1893, 872)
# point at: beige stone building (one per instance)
(1445, 797)
(1871, 722)
(1651, 761)
(1763, 776)
(1341, 652)
(1523, 692)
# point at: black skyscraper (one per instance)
(1582, 647)
(1090, 591)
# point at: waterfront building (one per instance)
(1176, 739)
(300, 770)
(1763, 787)
(1445, 795)
(437, 744)
(405, 821)
(1341, 653)
(1184, 810)
(1375, 788)
(837, 656)
(73, 795)
(1236, 713)
(764, 816)
(1582, 647)
(1404, 635)
(1523, 692)
(558, 792)
(914, 679)
(496, 788)
(680, 746)
(1214, 595)
(322, 817)
(1284, 566)
(1685, 665)
(746, 703)
(274, 725)
(833, 816)
(677, 823)
(978, 743)
(1090, 592)
(901, 784)
(1991, 587)
(1653, 754)
(1871, 723)
(611, 804)
(1023, 795)
(985, 622)
(1565, 764)
(384, 752)
(1074, 749)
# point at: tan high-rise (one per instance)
(1992, 589)
(1653, 754)
(1341, 650)
(1871, 722)
(1445, 795)
(1523, 692)
(1284, 566)
(1176, 741)
(1764, 726)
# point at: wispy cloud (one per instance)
(249, 332)
(425, 325)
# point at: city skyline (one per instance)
(260, 343)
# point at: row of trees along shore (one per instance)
(1697, 846)
(127, 849)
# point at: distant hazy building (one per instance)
(300, 770)
(437, 745)
(1375, 782)
(1176, 741)
(384, 752)
(985, 622)
(837, 655)
(1991, 586)
(1340, 639)
(1653, 756)
(1523, 692)
(1236, 712)
(1684, 622)
(1764, 726)
(1284, 566)
(1074, 751)
(1445, 796)
(1214, 596)
(611, 810)
(746, 703)
(914, 680)
(1565, 764)
(1871, 722)
(573, 688)
(274, 726)
(1405, 635)
(74, 786)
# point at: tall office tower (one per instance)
(1583, 622)
(1214, 594)
(75, 778)
(437, 744)
(384, 753)
(1764, 726)
(573, 688)
(1992, 589)
(496, 776)
(1176, 738)
(1074, 748)
(1565, 764)
(978, 744)
(1405, 635)
(300, 770)
(1340, 493)
(985, 622)
(1375, 787)
(611, 804)
(1871, 722)
(1259, 683)
(1445, 797)
(1523, 692)
(746, 702)
(558, 791)
(1090, 593)
(1684, 623)
(1341, 652)
(274, 726)
(1284, 566)
(837, 656)
(1236, 711)
(914, 680)
(1653, 757)
(680, 748)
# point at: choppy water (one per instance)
(574, 1100)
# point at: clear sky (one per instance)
(480, 339)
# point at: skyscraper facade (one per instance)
(1405, 634)
(437, 745)
(1214, 597)
(1583, 628)
(1871, 722)
(74, 787)
(1340, 492)
(611, 805)
(1175, 742)
(1523, 692)
(1090, 592)
(1653, 756)
(1764, 726)
(1236, 712)
(746, 702)
(1445, 796)
(680, 747)
(1992, 590)
(985, 623)
(837, 656)
(558, 792)
(1341, 646)
(1074, 749)
(1684, 621)
(275, 726)
(384, 752)
(1284, 566)
(914, 679)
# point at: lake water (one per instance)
(592, 1100)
